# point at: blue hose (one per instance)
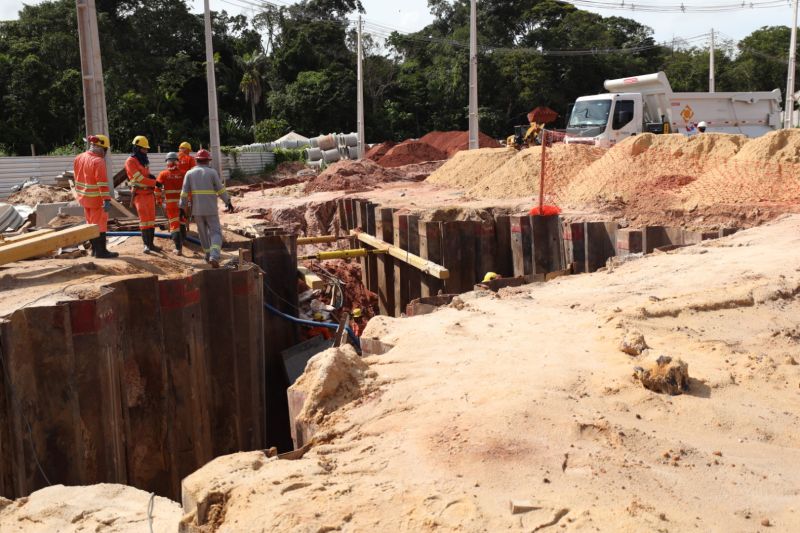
(139, 234)
(312, 324)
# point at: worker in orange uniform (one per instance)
(172, 181)
(91, 188)
(357, 323)
(185, 161)
(143, 189)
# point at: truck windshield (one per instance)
(589, 113)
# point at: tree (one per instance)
(253, 64)
(270, 129)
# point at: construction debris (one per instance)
(40, 194)
(665, 376)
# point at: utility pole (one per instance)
(94, 93)
(211, 81)
(473, 76)
(711, 64)
(360, 92)
(788, 109)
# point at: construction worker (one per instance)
(172, 181)
(490, 276)
(91, 189)
(315, 331)
(185, 161)
(143, 190)
(701, 127)
(204, 186)
(357, 323)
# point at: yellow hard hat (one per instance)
(100, 140)
(317, 316)
(141, 142)
(186, 145)
(357, 312)
(489, 276)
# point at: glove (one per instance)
(107, 206)
(229, 207)
(182, 211)
(159, 185)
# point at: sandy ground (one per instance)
(46, 281)
(526, 397)
(100, 508)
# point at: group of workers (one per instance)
(187, 181)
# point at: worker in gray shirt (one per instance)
(203, 185)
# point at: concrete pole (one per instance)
(360, 91)
(94, 93)
(788, 109)
(473, 76)
(711, 87)
(213, 116)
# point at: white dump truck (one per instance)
(647, 104)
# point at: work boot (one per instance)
(95, 244)
(146, 241)
(102, 252)
(214, 262)
(176, 238)
(153, 240)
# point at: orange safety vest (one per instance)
(91, 182)
(138, 176)
(185, 163)
(172, 179)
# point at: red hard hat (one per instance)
(203, 155)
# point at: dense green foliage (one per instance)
(294, 68)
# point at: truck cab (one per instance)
(605, 119)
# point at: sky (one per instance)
(411, 15)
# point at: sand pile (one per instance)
(766, 169)
(379, 150)
(468, 167)
(451, 142)
(520, 176)
(104, 507)
(40, 194)
(410, 152)
(650, 164)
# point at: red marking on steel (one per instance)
(241, 287)
(516, 229)
(83, 317)
(630, 80)
(174, 294)
(485, 231)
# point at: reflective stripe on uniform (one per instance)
(215, 247)
(221, 191)
(203, 191)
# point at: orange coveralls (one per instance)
(142, 186)
(172, 179)
(185, 163)
(91, 187)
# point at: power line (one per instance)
(683, 7)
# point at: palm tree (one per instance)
(253, 65)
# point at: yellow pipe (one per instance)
(319, 239)
(342, 254)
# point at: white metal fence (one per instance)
(15, 170)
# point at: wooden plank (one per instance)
(125, 211)
(416, 261)
(430, 248)
(312, 280)
(521, 245)
(384, 232)
(25, 236)
(47, 243)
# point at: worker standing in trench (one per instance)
(91, 188)
(204, 186)
(143, 190)
(172, 181)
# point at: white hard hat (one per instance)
(702, 124)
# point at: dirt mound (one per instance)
(520, 176)
(362, 175)
(332, 379)
(356, 294)
(468, 167)
(410, 152)
(643, 164)
(379, 150)
(782, 146)
(40, 194)
(451, 142)
(104, 507)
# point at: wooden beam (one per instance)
(312, 280)
(125, 211)
(25, 236)
(428, 267)
(47, 243)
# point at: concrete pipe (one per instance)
(10, 219)
(313, 154)
(313, 142)
(331, 156)
(327, 142)
(350, 139)
(352, 152)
